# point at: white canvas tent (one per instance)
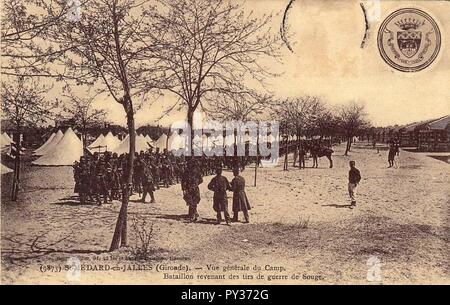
(107, 143)
(38, 152)
(146, 140)
(55, 140)
(98, 141)
(142, 137)
(5, 169)
(175, 142)
(7, 138)
(149, 140)
(124, 146)
(4, 141)
(68, 150)
(111, 141)
(161, 143)
(172, 139)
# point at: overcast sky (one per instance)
(328, 61)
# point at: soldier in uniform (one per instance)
(99, 187)
(76, 175)
(126, 189)
(138, 172)
(148, 183)
(118, 181)
(314, 154)
(114, 184)
(190, 181)
(180, 168)
(240, 200)
(301, 156)
(108, 175)
(165, 170)
(172, 164)
(219, 185)
(81, 175)
(158, 171)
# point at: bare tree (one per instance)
(210, 48)
(106, 48)
(239, 107)
(352, 118)
(298, 117)
(83, 114)
(25, 24)
(326, 124)
(301, 115)
(24, 105)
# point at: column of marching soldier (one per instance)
(101, 178)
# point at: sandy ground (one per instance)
(302, 229)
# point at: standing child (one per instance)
(354, 177)
(391, 155)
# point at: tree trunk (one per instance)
(297, 148)
(349, 145)
(16, 174)
(120, 232)
(257, 153)
(285, 167)
(83, 139)
(190, 117)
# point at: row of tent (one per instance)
(66, 148)
(60, 149)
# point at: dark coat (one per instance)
(354, 176)
(219, 185)
(189, 184)
(240, 200)
(147, 179)
(392, 153)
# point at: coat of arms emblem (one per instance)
(408, 40)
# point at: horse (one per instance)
(321, 151)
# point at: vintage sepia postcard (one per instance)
(218, 142)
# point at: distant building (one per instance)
(428, 135)
(435, 135)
